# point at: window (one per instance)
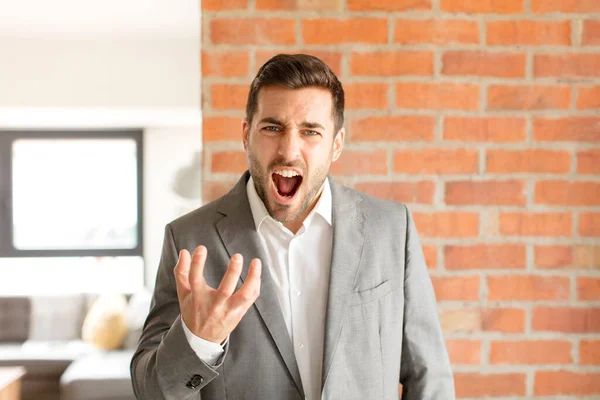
(73, 193)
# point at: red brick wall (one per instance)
(483, 116)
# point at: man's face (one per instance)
(290, 147)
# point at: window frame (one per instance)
(7, 138)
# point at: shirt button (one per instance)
(298, 293)
(301, 345)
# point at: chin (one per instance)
(283, 212)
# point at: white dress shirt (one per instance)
(299, 265)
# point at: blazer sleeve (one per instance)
(164, 365)
(425, 366)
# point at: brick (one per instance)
(588, 288)
(221, 129)
(589, 352)
(528, 161)
(553, 256)
(484, 129)
(527, 288)
(574, 256)
(388, 5)
(447, 224)
(591, 33)
(464, 352)
(506, 320)
(299, 5)
(413, 128)
(468, 320)
(566, 65)
(437, 96)
(460, 320)
(586, 256)
(220, 5)
(404, 192)
(528, 97)
(575, 129)
(474, 384)
(430, 254)
(485, 193)
(553, 383)
(566, 320)
(482, 6)
(512, 33)
(345, 31)
(565, 193)
(588, 97)
(484, 63)
(436, 161)
(536, 224)
(366, 95)
(213, 190)
(528, 352)
(258, 31)
(566, 6)
(588, 161)
(333, 59)
(436, 31)
(589, 224)
(361, 163)
(485, 256)
(453, 288)
(229, 162)
(225, 63)
(229, 96)
(391, 63)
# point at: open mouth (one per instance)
(286, 183)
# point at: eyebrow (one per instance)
(304, 124)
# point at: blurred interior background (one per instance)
(100, 143)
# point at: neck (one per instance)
(295, 225)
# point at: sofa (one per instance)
(44, 335)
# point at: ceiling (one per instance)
(131, 18)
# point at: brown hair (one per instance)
(295, 71)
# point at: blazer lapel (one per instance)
(238, 233)
(348, 240)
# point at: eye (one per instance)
(271, 128)
(311, 133)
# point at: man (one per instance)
(297, 287)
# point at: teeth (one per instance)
(287, 173)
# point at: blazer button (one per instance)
(194, 382)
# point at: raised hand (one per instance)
(212, 314)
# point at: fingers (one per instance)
(181, 271)
(232, 275)
(196, 274)
(250, 290)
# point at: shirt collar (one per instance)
(324, 206)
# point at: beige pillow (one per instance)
(105, 325)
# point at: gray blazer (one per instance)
(381, 328)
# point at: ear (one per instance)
(245, 133)
(338, 144)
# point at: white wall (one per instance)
(100, 72)
(101, 79)
(167, 150)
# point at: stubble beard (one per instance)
(279, 212)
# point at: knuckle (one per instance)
(246, 297)
(221, 296)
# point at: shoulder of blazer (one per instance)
(365, 202)
(211, 212)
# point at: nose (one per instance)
(289, 146)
